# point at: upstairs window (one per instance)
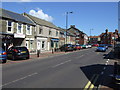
(29, 30)
(40, 31)
(50, 32)
(9, 26)
(20, 28)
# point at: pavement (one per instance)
(108, 82)
(44, 54)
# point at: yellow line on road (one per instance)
(92, 85)
(89, 83)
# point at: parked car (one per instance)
(95, 45)
(101, 48)
(78, 47)
(3, 55)
(18, 52)
(109, 45)
(74, 47)
(67, 47)
(89, 45)
(84, 46)
(106, 46)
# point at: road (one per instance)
(80, 69)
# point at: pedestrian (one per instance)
(10, 46)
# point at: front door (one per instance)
(27, 44)
(38, 45)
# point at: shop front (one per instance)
(41, 43)
(6, 40)
(54, 43)
(19, 40)
(30, 44)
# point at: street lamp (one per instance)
(90, 34)
(67, 23)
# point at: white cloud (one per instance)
(40, 14)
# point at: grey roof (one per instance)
(41, 21)
(15, 16)
(70, 34)
(62, 30)
(72, 30)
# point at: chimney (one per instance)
(116, 31)
(106, 30)
(72, 26)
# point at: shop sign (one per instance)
(19, 35)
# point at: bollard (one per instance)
(52, 51)
(38, 53)
(55, 49)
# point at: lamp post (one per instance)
(90, 34)
(67, 23)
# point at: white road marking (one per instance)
(61, 63)
(18, 79)
(80, 56)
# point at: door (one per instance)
(27, 44)
(38, 45)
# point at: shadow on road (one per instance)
(94, 71)
(112, 55)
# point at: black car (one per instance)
(67, 47)
(18, 52)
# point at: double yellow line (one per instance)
(91, 83)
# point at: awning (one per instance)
(55, 40)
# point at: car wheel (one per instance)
(4, 61)
(13, 57)
(28, 57)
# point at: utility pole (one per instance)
(67, 24)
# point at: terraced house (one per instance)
(79, 36)
(46, 34)
(17, 30)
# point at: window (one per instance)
(50, 32)
(56, 33)
(28, 30)
(31, 44)
(52, 44)
(19, 30)
(9, 26)
(56, 44)
(43, 44)
(40, 30)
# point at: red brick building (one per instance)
(80, 37)
(94, 39)
(109, 37)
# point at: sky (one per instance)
(86, 16)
